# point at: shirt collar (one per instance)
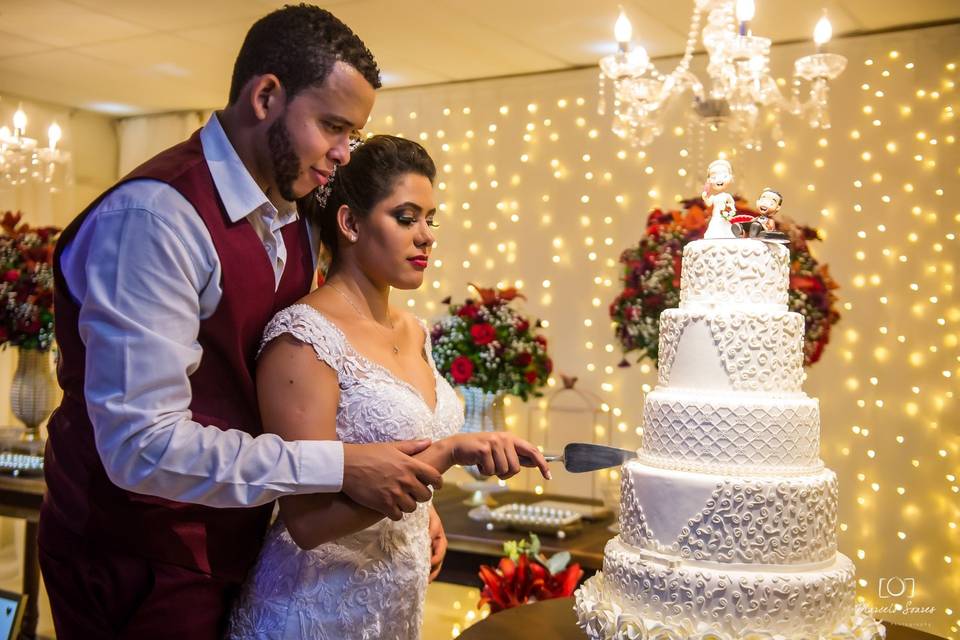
(238, 190)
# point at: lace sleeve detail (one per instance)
(307, 325)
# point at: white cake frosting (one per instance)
(732, 350)
(739, 272)
(728, 520)
(747, 434)
(725, 519)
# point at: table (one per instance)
(470, 544)
(21, 498)
(555, 619)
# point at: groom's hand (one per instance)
(384, 477)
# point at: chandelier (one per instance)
(739, 90)
(22, 160)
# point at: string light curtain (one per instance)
(535, 192)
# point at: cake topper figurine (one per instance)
(715, 196)
(762, 227)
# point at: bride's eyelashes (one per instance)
(407, 220)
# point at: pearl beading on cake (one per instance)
(734, 271)
(772, 521)
(747, 470)
(706, 432)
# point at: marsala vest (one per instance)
(81, 500)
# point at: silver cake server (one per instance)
(578, 457)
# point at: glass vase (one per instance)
(482, 412)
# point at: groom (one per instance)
(160, 480)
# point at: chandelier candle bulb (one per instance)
(623, 31)
(822, 32)
(745, 12)
(54, 133)
(19, 123)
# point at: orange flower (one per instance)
(694, 219)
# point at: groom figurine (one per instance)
(160, 480)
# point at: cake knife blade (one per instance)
(578, 457)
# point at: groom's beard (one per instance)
(286, 164)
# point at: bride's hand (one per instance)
(438, 543)
(495, 453)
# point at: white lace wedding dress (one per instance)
(371, 584)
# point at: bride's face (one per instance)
(395, 239)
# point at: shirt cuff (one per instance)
(321, 466)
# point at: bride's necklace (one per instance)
(396, 348)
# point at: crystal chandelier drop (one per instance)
(739, 90)
(23, 160)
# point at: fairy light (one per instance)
(554, 199)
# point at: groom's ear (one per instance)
(266, 95)
(348, 224)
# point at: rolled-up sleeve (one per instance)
(143, 280)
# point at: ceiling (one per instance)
(128, 57)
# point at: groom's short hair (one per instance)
(300, 45)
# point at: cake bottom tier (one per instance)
(638, 596)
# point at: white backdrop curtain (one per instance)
(143, 137)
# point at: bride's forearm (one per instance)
(438, 455)
(315, 519)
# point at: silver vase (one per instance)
(32, 391)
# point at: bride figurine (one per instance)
(720, 174)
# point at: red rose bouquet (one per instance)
(487, 344)
(26, 283)
(652, 279)
(526, 575)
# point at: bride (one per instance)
(344, 364)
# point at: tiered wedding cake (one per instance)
(728, 523)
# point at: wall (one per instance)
(536, 192)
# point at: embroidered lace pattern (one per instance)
(735, 272)
(747, 522)
(371, 584)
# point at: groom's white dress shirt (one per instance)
(145, 271)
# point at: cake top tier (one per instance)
(718, 272)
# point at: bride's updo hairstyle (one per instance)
(374, 169)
